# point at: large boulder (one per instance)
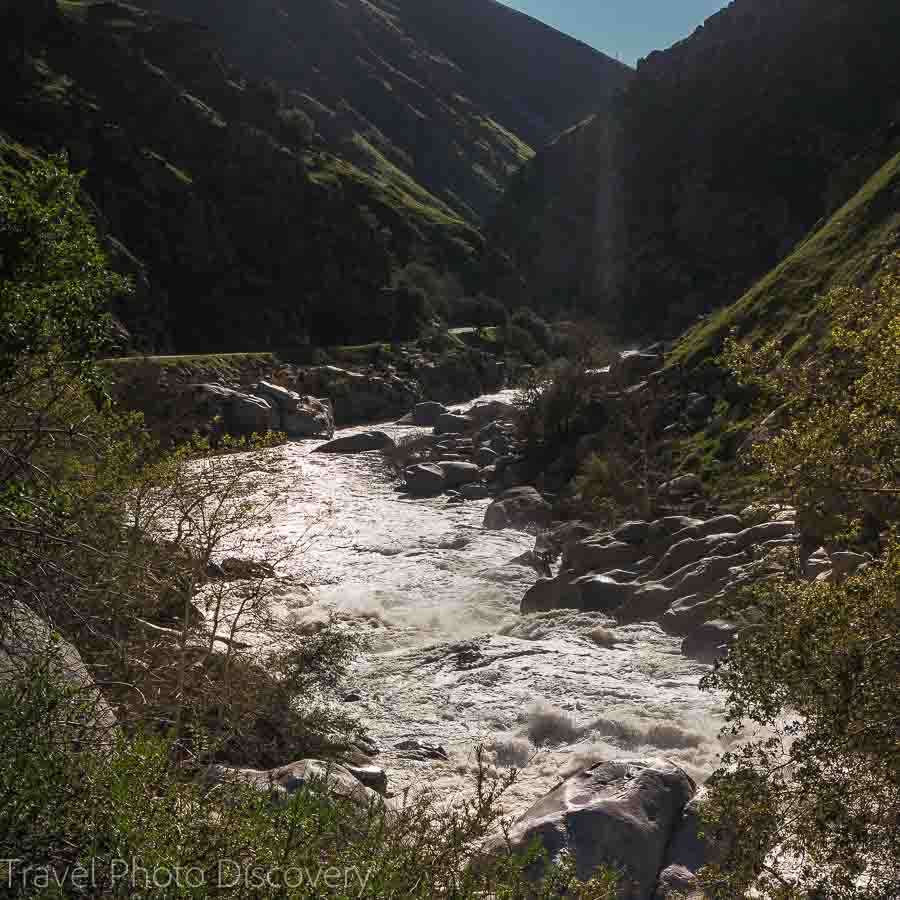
(452, 423)
(709, 641)
(426, 415)
(620, 814)
(603, 593)
(555, 540)
(546, 594)
(240, 413)
(249, 414)
(425, 479)
(299, 417)
(27, 639)
(632, 532)
(688, 852)
(687, 613)
(361, 442)
(474, 491)
(599, 553)
(457, 473)
(522, 508)
(285, 781)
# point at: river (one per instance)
(453, 663)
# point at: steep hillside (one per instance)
(240, 230)
(851, 247)
(453, 95)
(722, 153)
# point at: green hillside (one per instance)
(847, 249)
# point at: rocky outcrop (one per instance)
(297, 416)
(620, 814)
(358, 397)
(677, 571)
(749, 130)
(286, 781)
(361, 442)
(264, 407)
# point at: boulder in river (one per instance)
(240, 413)
(522, 508)
(426, 415)
(458, 473)
(688, 852)
(620, 814)
(425, 479)
(298, 416)
(709, 641)
(452, 423)
(361, 442)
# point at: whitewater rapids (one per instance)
(452, 662)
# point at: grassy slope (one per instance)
(847, 249)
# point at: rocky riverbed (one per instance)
(453, 663)
(568, 653)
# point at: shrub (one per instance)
(820, 793)
(127, 822)
(519, 343)
(528, 320)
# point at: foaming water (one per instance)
(452, 662)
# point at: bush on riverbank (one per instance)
(125, 821)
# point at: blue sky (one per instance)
(629, 28)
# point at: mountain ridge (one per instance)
(719, 156)
(457, 95)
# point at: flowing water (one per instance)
(453, 663)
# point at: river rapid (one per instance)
(451, 660)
